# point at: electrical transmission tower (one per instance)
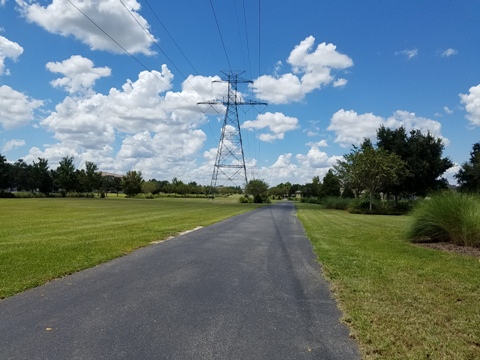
(230, 159)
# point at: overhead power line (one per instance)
(129, 53)
(220, 33)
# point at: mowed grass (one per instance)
(43, 239)
(401, 301)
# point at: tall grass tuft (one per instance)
(448, 216)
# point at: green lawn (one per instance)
(401, 301)
(42, 239)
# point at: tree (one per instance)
(371, 169)
(23, 175)
(93, 179)
(6, 174)
(258, 189)
(66, 178)
(42, 176)
(132, 183)
(468, 177)
(331, 184)
(423, 157)
(150, 187)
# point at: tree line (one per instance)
(400, 164)
(39, 177)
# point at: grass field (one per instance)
(43, 239)
(401, 301)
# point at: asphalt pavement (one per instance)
(248, 287)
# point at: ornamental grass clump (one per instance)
(450, 217)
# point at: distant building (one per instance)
(104, 173)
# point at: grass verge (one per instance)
(42, 239)
(401, 301)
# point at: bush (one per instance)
(448, 216)
(337, 203)
(243, 200)
(6, 195)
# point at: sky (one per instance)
(117, 82)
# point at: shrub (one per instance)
(337, 203)
(447, 216)
(243, 200)
(257, 199)
(6, 195)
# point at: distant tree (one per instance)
(423, 157)
(316, 186)
(65, 175)
(280, 190)
(132, 183)
(258, 189)
(468, 177)
(42, 176)
(371, 169)
(331, 184)
(81, 180)
(6, 174)
(150, 186)
(23, 175)
(111, 183)
(93, 178)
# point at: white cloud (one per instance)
(16, 108)
(61, 17)
(282, 90)
(298, 169)
(447, 110)
(80, 74)
(449, 52)
(8, 50)
(321, 143)
(409, 53)
(311, 70)
(157, 129)
(13, 144)
(472, 104)
(351, 127)
(340, 82)
(278, 124)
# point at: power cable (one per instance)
(176, 44)
(220, 33)
(246, 36)
(163, 52)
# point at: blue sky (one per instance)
(122, 93)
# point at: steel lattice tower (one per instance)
(230, 159)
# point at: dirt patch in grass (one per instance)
(446, 246)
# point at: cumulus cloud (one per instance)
(409, 53)
(472, 104)
(80, 74)
(311, 69)
(300, 168)
(351, 127)
(449, 52)
(157, 128)
(61, 17)
(8, 50)
(13, 144)
(16, 108)
(277, 123)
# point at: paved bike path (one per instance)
(248, 287)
